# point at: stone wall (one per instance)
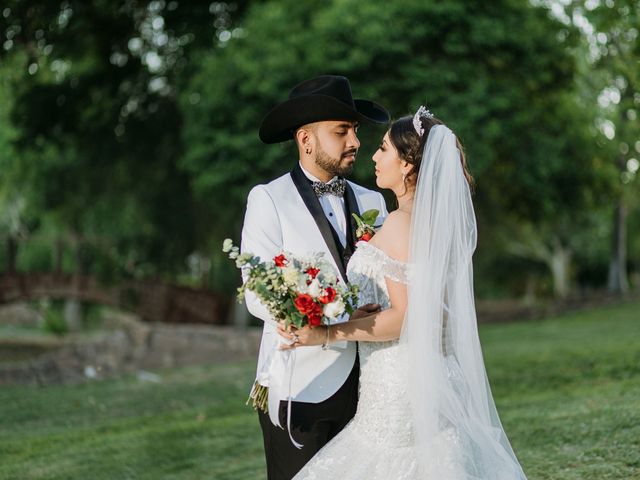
(128, 345)
(19, 315)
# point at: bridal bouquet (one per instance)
(296, 291)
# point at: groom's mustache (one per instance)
(350, 152)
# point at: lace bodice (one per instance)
(381, 406)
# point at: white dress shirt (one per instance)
(333, 208)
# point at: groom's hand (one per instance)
(365, 310)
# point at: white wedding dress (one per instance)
(377, 443)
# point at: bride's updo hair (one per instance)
(410, 146)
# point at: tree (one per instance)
(500, 74)
(97, 126)
(13, 206)
(612, 29)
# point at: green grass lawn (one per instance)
(567, 388)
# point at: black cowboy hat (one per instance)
(327, 97)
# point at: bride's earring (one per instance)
(404, 177)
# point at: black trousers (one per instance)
(312, 425)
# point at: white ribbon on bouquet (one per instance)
(280, 378)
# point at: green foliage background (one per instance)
(131, 152)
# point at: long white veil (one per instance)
(458, 433)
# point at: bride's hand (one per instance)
(365, 310)
(302, 337)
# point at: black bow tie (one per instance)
(336, 188)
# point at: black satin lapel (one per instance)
(351, 206)
(313, 205)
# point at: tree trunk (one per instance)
(618, 280)
(12, 253)
(58, 251)
(83, 257)
(529, 297)
(559, 262)
(73, 306)
(556, 257)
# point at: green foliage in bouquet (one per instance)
(296, 291)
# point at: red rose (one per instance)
(328, 297)
(366, 236)
(312, 272)
(280, 260)
(304, 304)
(315, 315)
(315, 319)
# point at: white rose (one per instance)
(334, 309)
(290, 275)
(315, 289)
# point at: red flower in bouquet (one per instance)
(315, 319)
(312, 272)
(303, 302)
(280, 260)
(305, 305)
(329, 296)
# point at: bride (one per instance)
(425, 409)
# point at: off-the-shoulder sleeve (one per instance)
(391, 268)
(396, 271)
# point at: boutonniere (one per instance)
(366, 228)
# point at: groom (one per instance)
(309, 210)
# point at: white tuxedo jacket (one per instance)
(285, 215)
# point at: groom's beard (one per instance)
(340, 167)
